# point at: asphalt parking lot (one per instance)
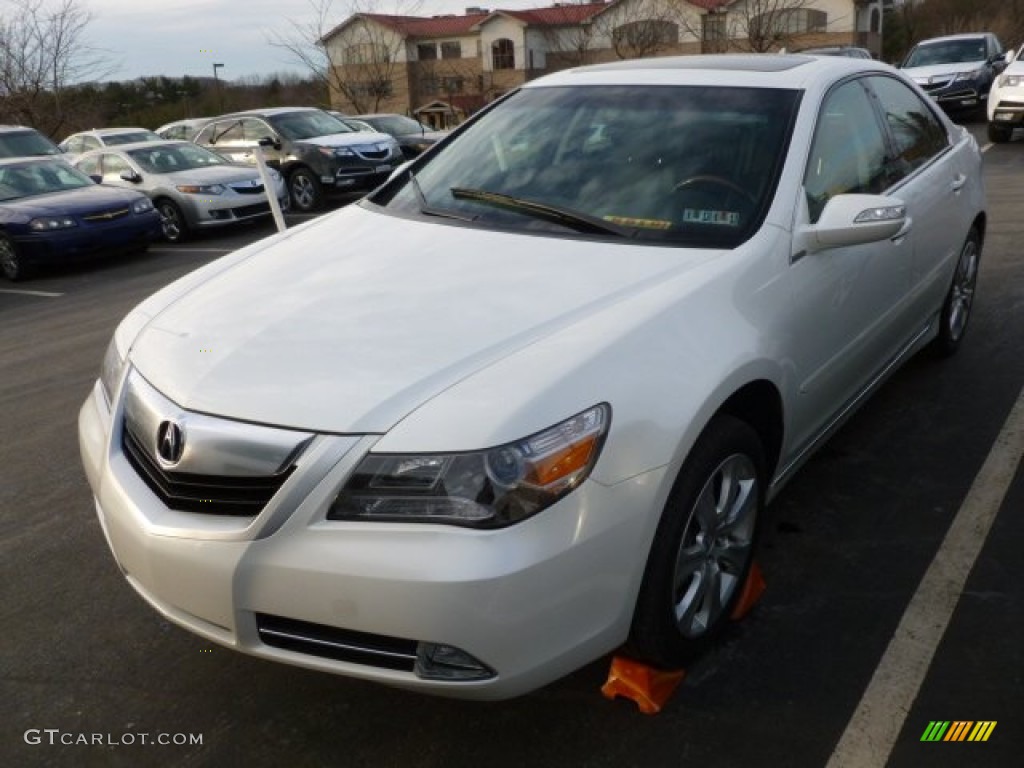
(91, 676)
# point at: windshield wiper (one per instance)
(425, 207)
(575, 220)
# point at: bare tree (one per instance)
(766, 25)
(355, 59)
(642, 28)
(42, 52)
(570, 39)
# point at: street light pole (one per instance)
(216, 80)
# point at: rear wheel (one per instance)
(11, 263)
(703, 548)
(999, 134)
(172, 221)
(956, 309)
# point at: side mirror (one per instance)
(96, 178)
(857, 220)
(269, 141)
(129, 175)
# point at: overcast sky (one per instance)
(186, 37)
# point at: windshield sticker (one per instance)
(627, 221)
(724, 218)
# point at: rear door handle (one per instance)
(958, 182)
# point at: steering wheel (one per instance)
(719, 181)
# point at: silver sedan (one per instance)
(192, 188)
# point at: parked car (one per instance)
(957, 70)
(51, 213)
(526, 402)
(353, 122)
(182, 129)
(78, 143)
(838, 50)
(315, 151)
(22, 141)
(192, 188)
(413, 136)
(1006, 99)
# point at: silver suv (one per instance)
(316, 152)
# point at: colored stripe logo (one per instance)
(958, 730)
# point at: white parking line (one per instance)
(876, 724)
(46, 294)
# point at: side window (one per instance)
(90, 142)
(917, 133)
(74, 145)
(848, 151)
(206, 134)
(90, 166)
(254, 130)
(112, 167)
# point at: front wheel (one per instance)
(956, 309)
(703, 548)
(999, 134)
(172, 221)
(11, 263)
(304, 190)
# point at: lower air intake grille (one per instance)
(209, 494)
(340, 644)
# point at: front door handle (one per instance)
(958, 182)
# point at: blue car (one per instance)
(53, 213)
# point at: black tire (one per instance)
(305, 191)
(999, 134)
(956, 309)
(172, 221)
(12, 264)
(675, 620)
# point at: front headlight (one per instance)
(204, 189)
(976, 74)
(110, 369)
(1009, 81)
(48, 223)
(483, 489)
(336, 151)
(142, 206)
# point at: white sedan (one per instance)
(525, 403)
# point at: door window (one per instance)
(917, 133)
(848, 152)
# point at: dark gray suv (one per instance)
(316, 152)
(957, 70)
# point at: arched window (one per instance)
(503, 54)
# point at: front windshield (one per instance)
(950, 52)
(296, 126)
(39, 178)
(26, 144)
(680, 165)
(130, 138)
(171, 158)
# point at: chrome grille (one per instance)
(339, 644)
(102, 217)
(208, 494)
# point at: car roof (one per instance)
(269, 112)
(13, 128)
(961, 36)
(137, 145)
(112, 131)
(31, 159)
(787, 71)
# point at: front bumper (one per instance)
(532, 602)
(958, 96)
(86, 241)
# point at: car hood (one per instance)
(351, 323)
(354, 139)
(213, 174)
(921, 74)
(72, 201)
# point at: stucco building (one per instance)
(443, 68)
